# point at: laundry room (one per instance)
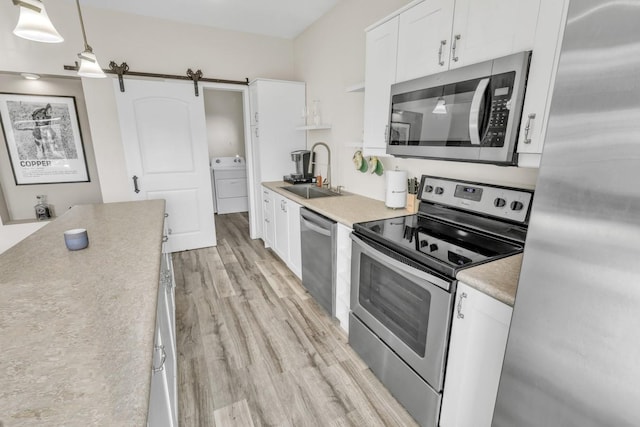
(226, 143)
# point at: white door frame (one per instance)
(248, 147)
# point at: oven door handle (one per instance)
(399, 266)
(474, 113)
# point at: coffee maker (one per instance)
(302, 175)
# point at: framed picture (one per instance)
(43, 139)
(400, 133)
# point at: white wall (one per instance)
(146, 44)
(20, 199)
(330, 56)
(225, 122)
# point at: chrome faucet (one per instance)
(313, 162)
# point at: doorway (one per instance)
(226, 111)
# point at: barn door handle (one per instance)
(135, 184)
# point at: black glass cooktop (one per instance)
(437, 244)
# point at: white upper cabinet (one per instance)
(424, 39)
(437, 35)
(380, 73)
(544, 64)
(276, 108)
(483, 30)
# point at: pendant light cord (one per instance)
(84, 34)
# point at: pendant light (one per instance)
(441, 107)
(89, 66)
(34, 23)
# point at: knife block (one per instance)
(412, 203)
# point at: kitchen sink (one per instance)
(310, 191)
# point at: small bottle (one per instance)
(43, 212)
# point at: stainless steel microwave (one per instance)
(468, 114)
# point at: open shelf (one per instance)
(314, 127)
(358, 87)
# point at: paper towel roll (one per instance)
(396, 194)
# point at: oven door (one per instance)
(407, 308)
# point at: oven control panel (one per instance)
(508, 203)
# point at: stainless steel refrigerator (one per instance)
(573, 353)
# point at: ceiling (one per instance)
(277, 18)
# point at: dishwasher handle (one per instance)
(317, 222)
(314, 227)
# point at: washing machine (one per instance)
(229, 179)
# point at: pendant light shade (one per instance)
(441, 107)
(34, 23)
(89, 66)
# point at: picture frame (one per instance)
(400, 133)
(43, 139)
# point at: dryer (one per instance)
(229, 179)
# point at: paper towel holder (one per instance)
(396, 189)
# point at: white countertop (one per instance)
(346, 209)
(498, 279)
(78, 326)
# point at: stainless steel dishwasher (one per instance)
(318, 240)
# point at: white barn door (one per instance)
(164, 135)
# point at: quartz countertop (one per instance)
(77, 336)
(346, 209)
(498, 279)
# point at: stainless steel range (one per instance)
(403, 281)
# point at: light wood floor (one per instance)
(254, 349)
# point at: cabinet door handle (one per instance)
(135, 184)
(256, 117)
(527, 128)
(455, 46)
(267, 220)
(459, 307)
(256, 132)
(165, 238)
(386, 133)
(162, 359)
(442, 45)
(284, 206)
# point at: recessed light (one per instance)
(30, 76)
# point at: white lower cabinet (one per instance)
(282, 228)
(295, 245)
(476, 352)
(163, 399)
(268, 214)
(281, 245)
(343, 275)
